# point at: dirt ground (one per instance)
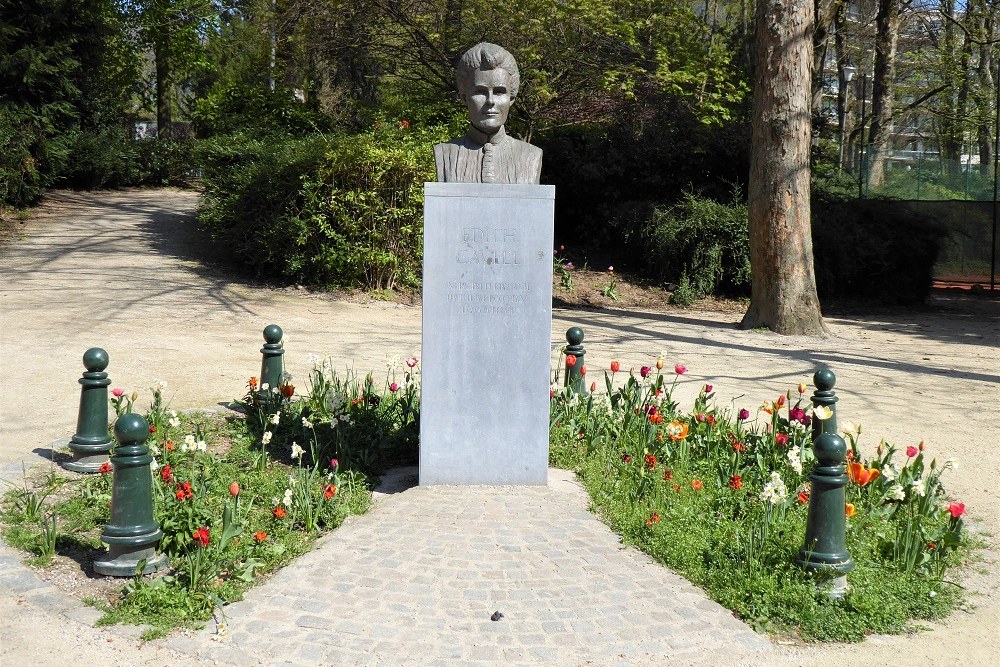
(129, 272)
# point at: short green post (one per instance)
(132, 533)
(575, 368)
(824, 396)
(272, 366)
(825, 551)
(92, 442)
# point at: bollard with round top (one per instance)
(92, 442)
(574, 373)
(132, 534)
(825, 550)
(272, 366)
(824, 396)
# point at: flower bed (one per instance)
(713, 494)
(236, 498)
(723, 500)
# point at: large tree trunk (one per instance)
(161, 53)
(783, 284)
(886, 39)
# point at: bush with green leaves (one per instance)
(30, 157)
(655, 472)
(325, 210)
(254, 109)
(700, 241)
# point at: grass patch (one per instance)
(723, 500)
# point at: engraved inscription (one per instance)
(476, 297)
(489, 246)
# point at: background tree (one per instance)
(783, 284)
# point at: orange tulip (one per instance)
(849, 510)
(677, 430)
(859, 474)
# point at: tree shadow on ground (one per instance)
(971, 328)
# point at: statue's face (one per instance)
(488, 99)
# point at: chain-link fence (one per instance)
(958, 194)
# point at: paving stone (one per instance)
(416, 580)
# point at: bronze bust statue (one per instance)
(488, 81)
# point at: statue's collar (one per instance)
(482, 138)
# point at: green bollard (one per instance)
(825, 551)
(133, 533)
(272, 366)
(574, 375)
(92, 442)
(823, 380)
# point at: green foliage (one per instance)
(64, 65)
(21, 181)
(255, 110)
(610, 175)
(698, 243)
(343, 210)
(654, 473)
(363, 425)
(685, 294)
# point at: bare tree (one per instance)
(783, 283)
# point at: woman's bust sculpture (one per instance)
(488, 81)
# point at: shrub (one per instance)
(257, 110)
(102, 158)
(109, 158)
(700, 242)
(29, 156)
(21, 181)
(344, 210)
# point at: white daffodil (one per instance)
(889, 472)
(896, 492)
(266, 438)
(795, 459)
(297, 451)
(775, 490)
(919, 487)
(306, 423)
(275, 418)
(201, 446)
(173, 422)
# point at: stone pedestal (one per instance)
(487, 318)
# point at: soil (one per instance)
(129, 271)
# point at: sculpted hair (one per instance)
(486, 56)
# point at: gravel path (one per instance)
(128, 272)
